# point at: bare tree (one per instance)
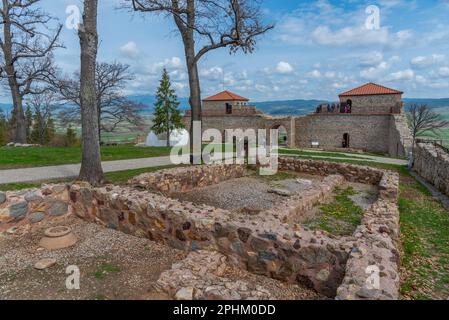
(43, 106)
(113, 108)
(422, 119)
(213, 23)
(91, 169)
(26, 57)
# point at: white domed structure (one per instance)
(178, 138)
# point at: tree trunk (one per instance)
(168, 138)
(20, 134)
(91, 169)
(99, 120)
(168, 127)
(194, 80)
(195, 101)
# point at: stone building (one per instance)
(368, 118)
(227, 110)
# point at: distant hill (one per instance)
(149, 101)
(5, 107)
(288, 107)
(433, 103)
(281, 107)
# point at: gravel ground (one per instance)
(113, 265)
(247, 194)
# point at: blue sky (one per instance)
(317, 49)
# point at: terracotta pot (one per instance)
(58, 238)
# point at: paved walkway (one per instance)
(350, 156)
(72, 170)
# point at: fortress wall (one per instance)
(432, 163)
(243, 122)
(375, 103)
(218, 108)
(367, 132)
(400, 142)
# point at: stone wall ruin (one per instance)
(333, 266)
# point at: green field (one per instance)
(118, 178)
(441, 134)
(11, 157)
(309, 154)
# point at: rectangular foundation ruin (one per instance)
(264, 244)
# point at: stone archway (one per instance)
(287, 126)
(282, 135)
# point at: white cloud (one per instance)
(284, 67)
(376, 72)
(214, 73)
(420, 79)
(130, 50)
(360, 36)
(314, 74)
(444, 72)
(371, 58)
(427, 61)
(407, 74)
(173, 63)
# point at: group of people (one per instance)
(334, 108)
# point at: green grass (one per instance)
(311, 154)
(18, 186)
(386, 166)
(11, 157)
(425, 240)
(119, 177)
(104, 270)
(340, 217)
(441, 134)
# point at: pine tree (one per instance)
(167, 116)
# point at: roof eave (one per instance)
(370, 94)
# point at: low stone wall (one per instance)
(432, 163)
(202, 276)
(352, 173)
(372, 268)
(188, 178)
(33, 206)
(262, 244)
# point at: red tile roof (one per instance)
(226, 96)
(370, 89)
